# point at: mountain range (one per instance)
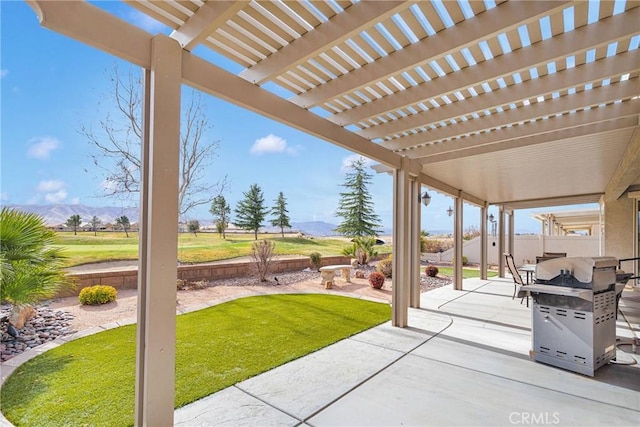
(59, 214)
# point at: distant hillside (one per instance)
(59, 214)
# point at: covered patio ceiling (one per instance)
(523, 104)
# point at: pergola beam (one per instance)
(575, 199)
(587, 37)
(214, 80)
(538, 110)
(566, 121)
(500, 19)
(347, 24)
(569, 78)
(204, 21)
(575, 132)
(627, 171)
(89, 24)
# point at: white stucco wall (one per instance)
(526, 248)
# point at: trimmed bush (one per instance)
(315, 258)
(385, 266)
(431, 270)
(98, 294)
(465, 260)
(376, 280)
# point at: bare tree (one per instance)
(262, 254)
(117, 145)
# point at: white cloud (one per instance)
(50, 185)
(56, 197)
(4, 196)
(41, 147)
(75, 201)
(269, 144)
(348, 161)
(3, 72)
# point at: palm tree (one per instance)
(31, 267)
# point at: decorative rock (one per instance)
(359, 274)
(21, 314)
(44, 327)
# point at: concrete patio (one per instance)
(464, 361)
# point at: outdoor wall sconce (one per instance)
(490, 218)
(426, 199)
(449, 211)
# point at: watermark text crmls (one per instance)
(534, 418)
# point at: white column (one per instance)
(414, 233)
(157, 264)
(457, 244)
(501, 259)
(483, 242)
(512, 231)
(401, 249)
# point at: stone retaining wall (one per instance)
(128, 279)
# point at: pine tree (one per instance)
(250, 211)
(221, 212)
(356, 207)
(281, 219)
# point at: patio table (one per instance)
(529, 269)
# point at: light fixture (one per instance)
(426, 198)
(449, 211)
(490, 218)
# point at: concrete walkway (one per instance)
(464, 361)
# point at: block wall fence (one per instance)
(128, 279)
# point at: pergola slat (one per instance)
(613, 28)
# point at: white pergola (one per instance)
(519, 104)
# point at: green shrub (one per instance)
(385, 267)
(363, 249)
(315, 258)
(98, 294)
(376, 280)
(465, 260)
(431, 270)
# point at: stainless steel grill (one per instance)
(573, 314)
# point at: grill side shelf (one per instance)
(585, 294)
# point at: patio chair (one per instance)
(518, 283)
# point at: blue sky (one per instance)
(51, 85)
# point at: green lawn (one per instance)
(467, 273)
(109, 246)
(90, 381)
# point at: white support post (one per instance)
(483, 243)
(501, 259)
(458, 243)
(414, 263)
(157, 265)
(401, 249)
(512, 231)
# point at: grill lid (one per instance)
(581, 268)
